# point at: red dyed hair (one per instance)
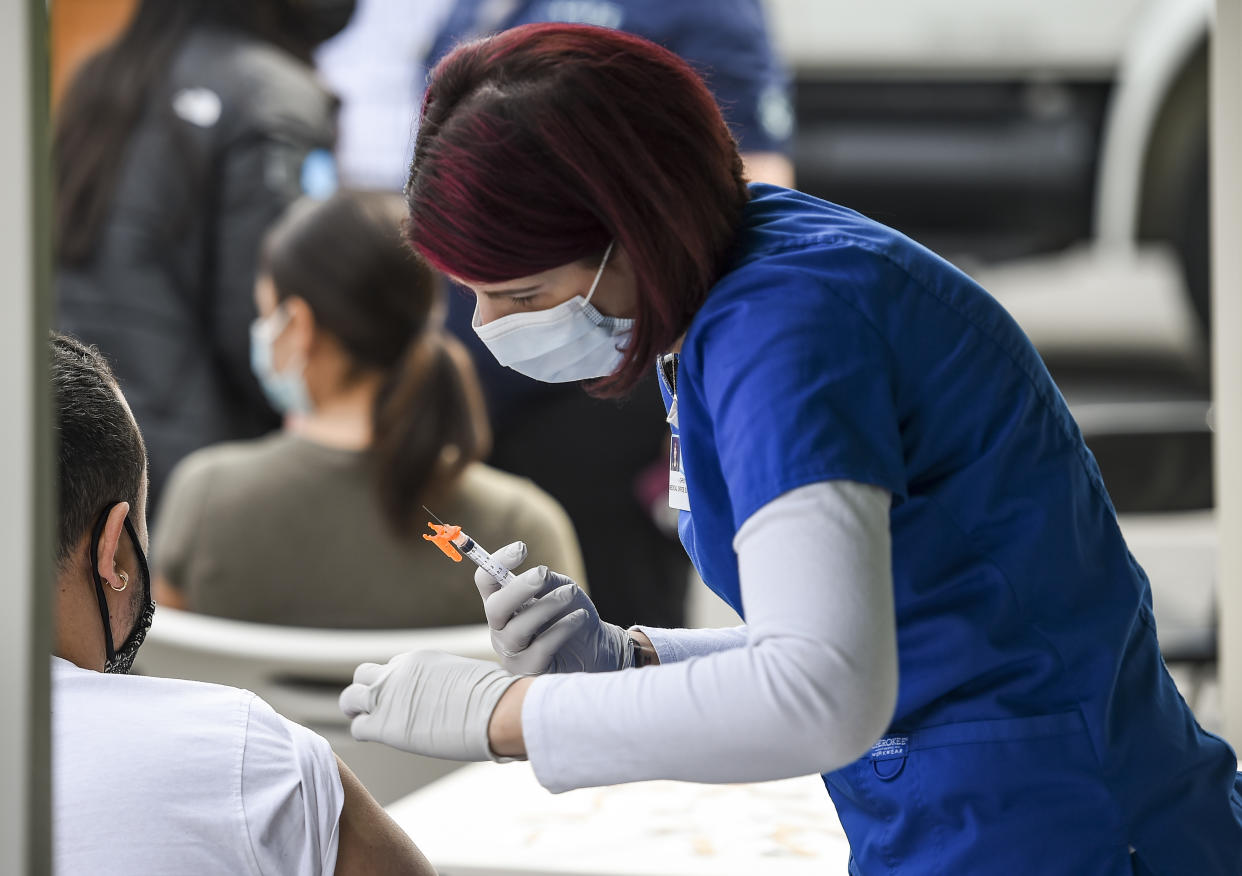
(541, 144)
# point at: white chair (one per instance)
(301, 672)
(1178, 553)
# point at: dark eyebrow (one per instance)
(511, 291)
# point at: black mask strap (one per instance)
(143, 573)
(98, 579)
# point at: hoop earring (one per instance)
(124, 582)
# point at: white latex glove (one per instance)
(427, 702)
(543, 622)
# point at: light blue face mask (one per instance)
(571, 341)
(285, 390)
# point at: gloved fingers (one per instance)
(369, 673)
(356, 700)
(510, 556)
(531, 584)
(439, 705)
(542, 651)
(364, 728)
(359, 697)
(527, 624)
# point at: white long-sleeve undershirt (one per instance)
(806, 686)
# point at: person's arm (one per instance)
(813, 688)
(305, 812)
(371, 843)
(731, 47)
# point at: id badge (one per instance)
(678, 495)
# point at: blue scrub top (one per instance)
(1036, 729)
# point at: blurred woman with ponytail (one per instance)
(318, 525)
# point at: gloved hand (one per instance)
(427, 702)
(543, 622)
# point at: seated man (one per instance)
(153, 775)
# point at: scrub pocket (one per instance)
(1014, 796)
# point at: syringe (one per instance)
(451, 539)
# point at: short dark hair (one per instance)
(540, 145)
(101, 457)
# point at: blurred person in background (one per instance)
(175, 148)
(375, 67)
(725, 41)
(624, 443)
(319, 525)
(156, 775)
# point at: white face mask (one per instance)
(285, 390)
(572, 341)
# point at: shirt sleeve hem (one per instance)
(743, 510)
(251, 854)
(664, 642)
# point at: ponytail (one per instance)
(429, 423)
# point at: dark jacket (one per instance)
(168, 293)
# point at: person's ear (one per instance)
(295, 342)
(292, 346)
(113, 575)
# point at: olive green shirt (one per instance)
(282, 530)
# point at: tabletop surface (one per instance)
(496, 820)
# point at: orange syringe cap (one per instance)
(443, 539)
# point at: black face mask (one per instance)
(121, 659)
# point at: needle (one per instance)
(437, 519)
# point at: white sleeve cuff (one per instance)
(674, 646)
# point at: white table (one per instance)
(496, 820)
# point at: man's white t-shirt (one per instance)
(155, 775)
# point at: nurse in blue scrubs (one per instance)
(872, 466)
